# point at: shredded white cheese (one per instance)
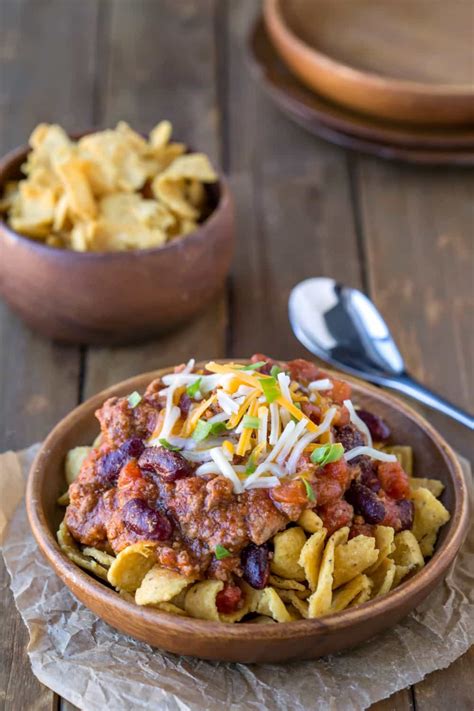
(226, 469)
(357, 422)
(264, 468)
(209, 468)
(188, 368)
(298, 450)
(323, 384)
(263, 427)
(227, 403)
(267, 482)
(291, 441)
(326, 423)
(284, 382)
(275, 423)
(370, 452)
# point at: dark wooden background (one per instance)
(403, 234)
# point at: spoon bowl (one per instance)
(343, 327)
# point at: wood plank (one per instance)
(448, 688)
(142, 87)
(418, 225)
(401, 701)
(294, 207)
(294, 216)
(39, 81)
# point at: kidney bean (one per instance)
(368, 472)
(256, 564)
(379, 429)
(184, 404)
(406, 513)
(349, 436)
(133, 447)
(166, 464)
(110, 465)
(229, 599)
(139, 517)
(365, 502)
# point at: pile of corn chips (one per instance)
(109, 191)
(312, 574)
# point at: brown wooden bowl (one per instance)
(114, 297)
(397, 63)
(305, 639)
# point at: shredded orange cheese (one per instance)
(244, 441)
(195, 414)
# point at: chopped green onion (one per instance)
(251, 464)
(327, 453)
(309, 489)
(254, 366)
(275, 371)
(193, 389)
(270, 389)
(134, 398)
(205, 428)
(164, 443)
(250, 423)
(221, 552)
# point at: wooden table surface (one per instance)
(304, 208)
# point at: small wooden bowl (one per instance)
(305, 639)
(114, 297)
(379, 60)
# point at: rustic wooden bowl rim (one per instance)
(217, 630)
(273, 13)
(197, 235)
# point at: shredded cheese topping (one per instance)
(268, 436)
(357, 422)
(370, 452)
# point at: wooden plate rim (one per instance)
(272, 10)
(332, 129)
(172, 624)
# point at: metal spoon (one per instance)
(342, 326)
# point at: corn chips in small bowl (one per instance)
(111, 237)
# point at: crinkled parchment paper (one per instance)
(93, 666)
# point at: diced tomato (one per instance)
(394, 480)
(360, 528)
(229, 599)
(336, 515)
(290, 492)
(312, 411)
(339, 471)
(304, 370)
(392, 513)
(340, 391)
(269, 363)
(331, 482)
(129, 474)
(342, 417)
(327, 489)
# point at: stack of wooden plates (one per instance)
(391, 78)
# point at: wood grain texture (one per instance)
(35, 85)
(368, 56)
(142, 85)
(118, 44)
(417, 227)
(294, 216)
(448, 688)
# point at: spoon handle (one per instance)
(406, 384)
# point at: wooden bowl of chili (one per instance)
(243, 642)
